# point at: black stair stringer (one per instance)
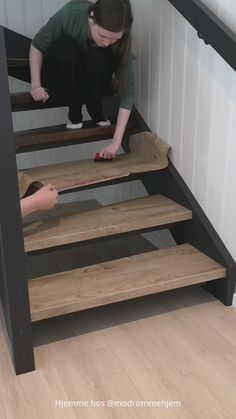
(17, 46)
(199, 231)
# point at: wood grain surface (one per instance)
(134, 215)
(119, 280)
(148, 153)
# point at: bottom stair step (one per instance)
(120, 280)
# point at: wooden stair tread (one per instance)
(138, 214)
(18, 62)
(148, 153)
(59, 133)
(119, 280)
(24, 102)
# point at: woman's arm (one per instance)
(122, 120)
(37, 92)
(44, 199)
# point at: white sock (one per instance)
(74, 126)
(104, 123)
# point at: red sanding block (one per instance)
(99, 158)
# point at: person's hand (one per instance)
(45, 198)
(39, 94)
(110, 151)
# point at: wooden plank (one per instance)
(24, 102)
(119, 280)
(18, 62)
(59, 133)
(138, 214)
(148, 153)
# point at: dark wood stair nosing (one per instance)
(17, 62)
(59, 136)
(24, 102)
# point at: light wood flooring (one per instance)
(176, 346)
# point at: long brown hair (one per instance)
(116, 16)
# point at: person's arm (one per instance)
(112, 148)
(44, 199)
(59, 23)
(126, 103)
(37, 92)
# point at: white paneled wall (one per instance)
(189, 99)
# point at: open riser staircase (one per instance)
(199, 256)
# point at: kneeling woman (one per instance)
(82, 49)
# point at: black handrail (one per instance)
(209, 28)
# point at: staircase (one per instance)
(199, 256)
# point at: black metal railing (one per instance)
(209, 28)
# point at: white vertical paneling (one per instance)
(228, 224)
(217, 164)
(207, 59)
(165, 81)
(212, 4)
(154, 63)
(3, 13)
(33, 17)
(193, 93)
(15, 15)
(190, 103)
(50, 7)
(227, 12)
(144, 52)
(178, 86)
(137, 42)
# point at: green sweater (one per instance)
(72, 21)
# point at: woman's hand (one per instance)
(45, 198)
(110, 151)
(39, 94)
(122, 120)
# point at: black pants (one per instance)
(80, 77)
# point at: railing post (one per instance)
(13, 280)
